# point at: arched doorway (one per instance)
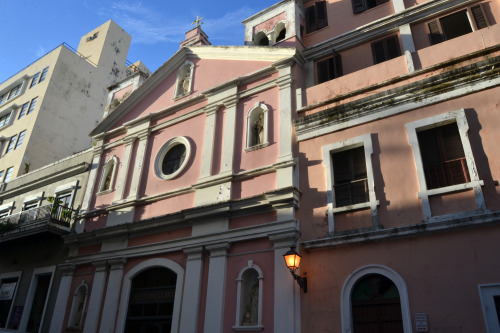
(376, 305)
(151, 301)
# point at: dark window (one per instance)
(34, 80)
(316, 17)
(173, 159)
(20, 139)
(38, 305)
(376, 306)
(24, 108)
(350, 179)
(359, 6)
(329, 69)
(281, 35)
(151, 301)
(12, 142)
(3, 98)
(32, 105)
(385, 49)
(44, 74)
(443, 156)
(4, 119)
(9, 284)
(496, 299)
(456, 24)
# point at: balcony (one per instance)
(44, 221)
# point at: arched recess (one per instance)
(78, 306)
(184, 80)
(261, 38)
(108, 175)
(257, 126)
(249, 298)
(279, 31)
(127, 285)
(346, 304)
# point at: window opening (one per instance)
(4, 120)
(281, 35)
(20, 139)
(173, 159)
(151, 301)
(359, 6)
(39, 301)
(7, 289)
(386, 49)
(329, 69)
(34, 80)
(44, 74)
(32, 105)
(443, 156)
(24, 108)
(316, 17)
(261, 39)
(12, 142)
(8, 174)
(351, 181)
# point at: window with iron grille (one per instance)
(443, 156)
(350, 178)
(316, 17)
(457, 24)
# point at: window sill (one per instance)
(364, 205)
(104, 192)
(257, 328)
(259, 146)
(450, 189)
(176, 98)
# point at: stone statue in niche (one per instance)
(259, 130)
(252, 313)
(185, 83)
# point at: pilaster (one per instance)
(208, 145)
(229, 136)
(214, 309)
(110, 308)
(60, 307)
(191, 297)
(96, 293)
(122, 177)
(285, 112)
(139, 164)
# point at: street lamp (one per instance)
(292, 260)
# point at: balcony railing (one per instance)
(447, 173)
(52, 213)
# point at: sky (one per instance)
(31, 28)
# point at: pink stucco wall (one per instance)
(120, 93)
(253, 186)
(396, 184)
(207, 74)
(164, 206)
(269, 24)
(341, 19)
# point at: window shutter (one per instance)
(338, 65)
(323, 71)
(310, 19)
(358, 6)
(322, 19)
(479, 17)
(435, 35)
(393, 49)
(378, 52)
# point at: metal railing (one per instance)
(49, 213)
(448, 173)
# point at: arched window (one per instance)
(261, 39)
(184, 81)
(108, 175)
(78, 306)
(279, 31)
(257, 126)
(151, 301)
(375, 299)
(249, 298)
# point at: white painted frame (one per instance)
(364, 141)
(486, 292)
(67, 188)
(10, 275)
(74, 305)
(275, 32)
(179, 140)
(259, 107)
(239, 299)
(105, 171)
(345, 300)
(7, 207)
(31, 294)
(127, 284)
(186, 66)
(475, 183)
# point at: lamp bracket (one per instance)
(302, 281)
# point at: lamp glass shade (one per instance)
(292, 259)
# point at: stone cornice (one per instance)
(454, 83)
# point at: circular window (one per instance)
(172, 158)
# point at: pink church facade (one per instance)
(362, 133)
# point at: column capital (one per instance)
(117, 264)
(129, 140)
(194, 252)
(284, 239)
(231, 101)
(218, 250)
(100, 266)
(67, 269)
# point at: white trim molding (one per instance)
(179, 140)
(364, 141)
(487, 292)
(127, 284)
(346, 308)
(112, 162)
(475, 183)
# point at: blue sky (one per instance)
(32, 28)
